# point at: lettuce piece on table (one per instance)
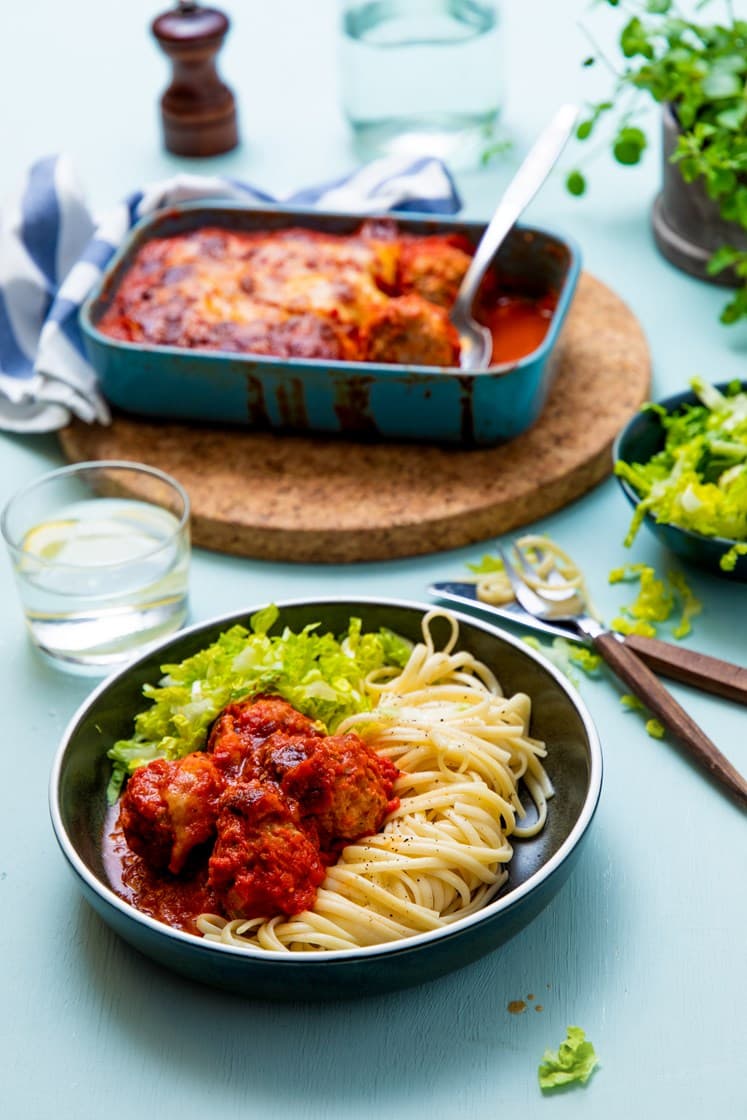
(655, 602)
(487, 565)
(574, 1060)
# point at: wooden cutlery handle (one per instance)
(709, 674)
(647, 687)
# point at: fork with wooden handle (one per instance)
(627, 665)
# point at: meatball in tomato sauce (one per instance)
(339, 783)
(263, 862)
(170, 807)
(242, 728)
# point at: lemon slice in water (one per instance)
(108, 531)
(47, 540)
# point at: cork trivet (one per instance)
(318, 499)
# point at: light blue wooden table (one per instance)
(643, 948)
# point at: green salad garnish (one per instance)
(655, 602)
(698, 481)
(319, 674)
(574, 1060)
(486, 565)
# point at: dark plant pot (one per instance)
(688, 227)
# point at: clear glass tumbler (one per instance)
(421, 77)
(100, 553)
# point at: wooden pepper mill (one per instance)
(198, 111)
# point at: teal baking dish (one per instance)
(360, 399)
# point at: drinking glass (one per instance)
(421, 77)
(100, 553)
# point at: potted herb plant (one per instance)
(697, 72)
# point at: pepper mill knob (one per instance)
(198, 112)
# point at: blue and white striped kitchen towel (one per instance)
(52, 252)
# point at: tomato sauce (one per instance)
(247, 827)
(518, 325)
(175, 900)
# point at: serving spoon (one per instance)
(476, 342)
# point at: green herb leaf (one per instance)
(720, 83)
(629, 146)
(634, 40)
(576, 183)
(732, 118)
(725, 257)
(700, 70)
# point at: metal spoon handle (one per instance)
(529, 178)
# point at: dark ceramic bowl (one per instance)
(641, 438)
(539, 867)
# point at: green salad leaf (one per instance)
(574, 1060)
(653, 727)
(698, 481)
(565, 656)
(319, 674)
(487, 565)
(655, 602)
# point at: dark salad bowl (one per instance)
(641, 439)
(539, 866)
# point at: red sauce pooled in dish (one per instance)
(518, 325)
(247, 827)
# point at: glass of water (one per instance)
(421, 77)
(100, 553)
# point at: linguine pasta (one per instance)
(462, 749)
(548, 568)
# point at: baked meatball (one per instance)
(411, 331)
(434, 267)
(170, 807)
(341, 786)
(263, 863)
(241, 728)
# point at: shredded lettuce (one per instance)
(728, 561)
(319, 674)
(486, 565)
(655, 602)
(574, 1060)
(633, 704)
(557, 652)
(566, 656)
(585, 658)
(698, 481)
(689, 605)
